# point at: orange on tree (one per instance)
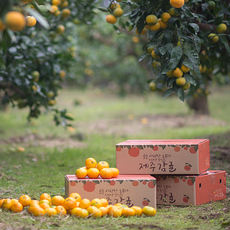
(2, 26)
(93, 173)
(60, 29)
(165, 17)
(142, 32)
(155, 27)
(56, 2)
(52, 102)
(185, 69)
(162, 24)
(221, 28)
(186, 86)
(53, 9)
(172, 12)
(15, 21)
(213, 37)
(111, 19)
(31, 21)
(153, 86)
(62, 73)
(149, 211)
(114, 6)
(180, 81)
(177, 3)
(90, 163)
(118, 12)
(177, 72)
(151, 19)
(153, 54)
(65, 13)
(106, 173)
(25, 200)
(156, 64)
(57, 200)
(64, 4)
(81, 173)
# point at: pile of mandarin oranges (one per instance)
(94, 169)
(73, 205)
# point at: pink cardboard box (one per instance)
(131, 190)
(183, 156)
(191, 190)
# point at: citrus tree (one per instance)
(106, 60)
(36, 52)
(188, 43)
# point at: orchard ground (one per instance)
(101, 121)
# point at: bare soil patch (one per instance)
(125, 126)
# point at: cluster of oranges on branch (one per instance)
(73, 205)
(94, 170)
(116, 11)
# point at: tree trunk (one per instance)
(199, 105)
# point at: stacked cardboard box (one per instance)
(179, 166)
(157, 172)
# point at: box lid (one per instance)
(163, 142)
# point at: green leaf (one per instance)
(143, 56)
(176, 55)
(197, 43)
(163, 50)
(141, 23)
(180, 94)
(2, 63)
(103, 9)
(204, 6)
(219, 19)
(168, 92)
(190, 79)
(170, 81)
(225, 42)
(39, 18)
(195, 27)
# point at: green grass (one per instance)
(43, 169)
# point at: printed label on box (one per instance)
(195, 190)
(163, 157)
(139, 190)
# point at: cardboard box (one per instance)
(184, 156)
(131, 190)
(191, 190)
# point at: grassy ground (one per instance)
(102, 120)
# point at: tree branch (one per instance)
(12, 87)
